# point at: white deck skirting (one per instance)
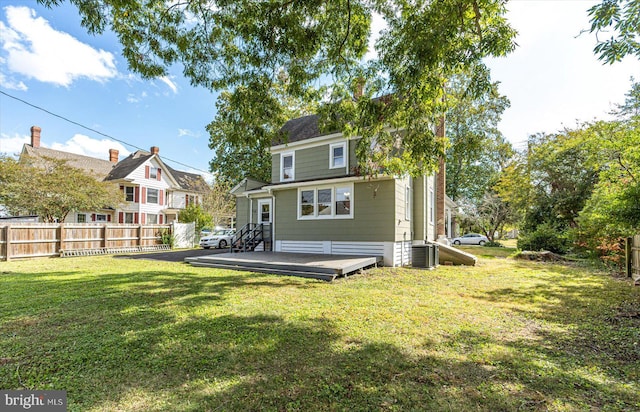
(393, 253)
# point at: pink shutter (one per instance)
(135, 217)
(93, 217)
(108, 218)
(144, 196)
(136, 194)
(143, 218)
(158, 175)
(186, 200)
(161, 197)
(160, 219)
(120, 217)
(146, 172)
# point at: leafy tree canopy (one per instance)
(242, 46)
(52, 189)
(619, 22)
(477, 150)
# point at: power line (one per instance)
(96, 131)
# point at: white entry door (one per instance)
(264, 211)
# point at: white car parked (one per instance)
(218, 239)
(470, 239)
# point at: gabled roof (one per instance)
(100, 168)
(307, 127)
(130, 163)
(188, 181)
(106, 170)
(302, 128)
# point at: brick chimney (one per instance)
(113, 155)
(155, 150)
(35, 136)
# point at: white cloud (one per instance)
(12, 145)
(166, 80)
(36, 50)
(85, 145)
(187, 132)
(12, 84)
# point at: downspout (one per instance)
(441, 184)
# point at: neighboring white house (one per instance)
(153, 192)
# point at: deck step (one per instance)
(305, 274)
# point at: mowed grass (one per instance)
(135, 335)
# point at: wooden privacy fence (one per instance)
(50, 239)
(633, 258)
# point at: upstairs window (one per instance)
(152, 195)
(337, 155)
(286, 167)
(129, 193)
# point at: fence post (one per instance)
(61, 238)
(105, 239)
(139, 235)
(7, 244)
(628, 255)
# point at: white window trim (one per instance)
(333, 214)
(293, 166)
(345, 159)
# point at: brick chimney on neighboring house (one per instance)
(35, 136)
(113, 155)
(155, 150)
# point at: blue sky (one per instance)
(46, 58)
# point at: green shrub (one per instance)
(493, 243)
(544, 237)
(167, 238)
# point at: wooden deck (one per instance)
(325, 267)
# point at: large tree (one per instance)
(240, 136)
(242, 46)
(51, 189)
(477, 150)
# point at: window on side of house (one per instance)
(152, 219)
(128, 218)
(81, 218)
(152, 195)
(343, 201)
(325, 202)
(153, 172)
(129, 193)
(101, 218)
(334, 202)
(307, 203)
(286, 167)
(337, 155)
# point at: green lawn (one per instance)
(137, 335)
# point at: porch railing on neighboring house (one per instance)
(251, 236)
(52, 239)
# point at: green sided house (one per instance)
(315, 202)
